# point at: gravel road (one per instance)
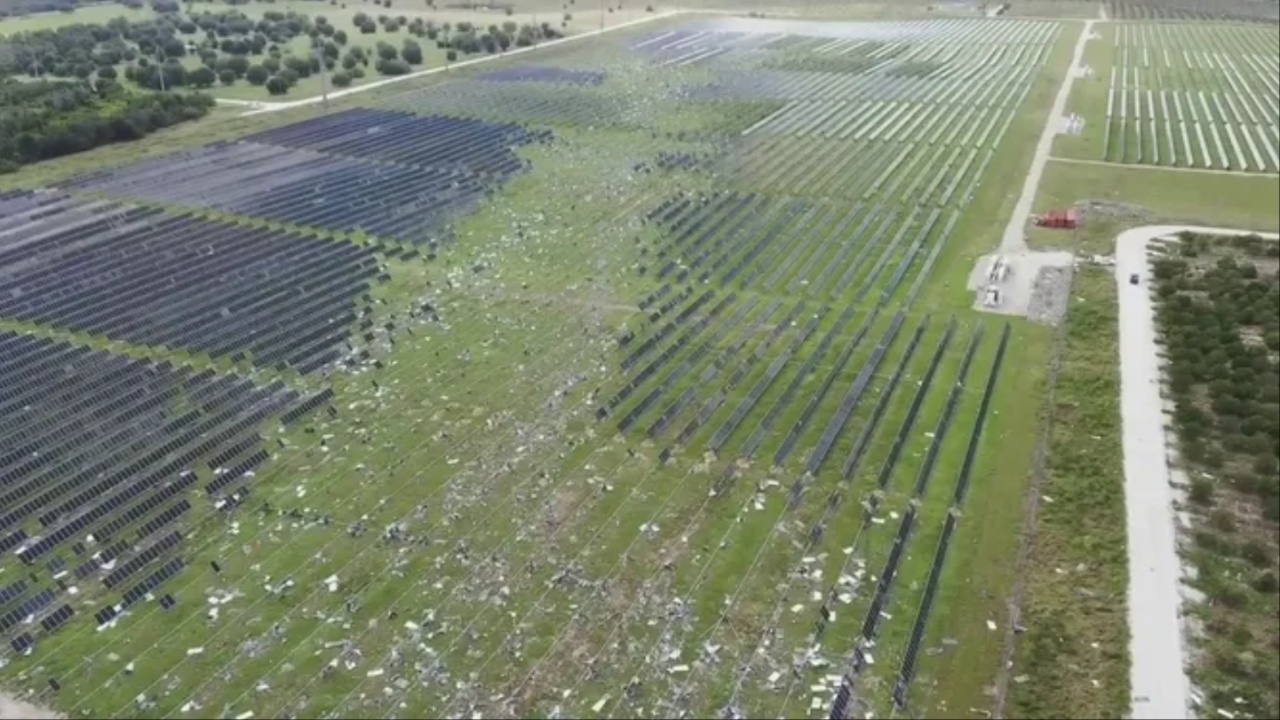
(1013, 242)
(1159, 684)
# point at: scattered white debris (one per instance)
(991, 625)
(600, 704)
(194, 651)
(374, 673)
(797, 608)
(679, 669)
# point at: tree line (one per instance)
(44, 119)
(1220, 318)
(233, 47)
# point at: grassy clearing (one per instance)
(89, 14)
(1132, 196)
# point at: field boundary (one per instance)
(1160, 689)
(1164, 168)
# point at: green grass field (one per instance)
(468, 533)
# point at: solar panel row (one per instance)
(388, 174)
(97, 444)
(180, 281)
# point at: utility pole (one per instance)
(324, 86)
(602, 16)
(163, 59)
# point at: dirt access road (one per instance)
(1035, 286)
(1159, 685)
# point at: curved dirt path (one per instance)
(1159, 685)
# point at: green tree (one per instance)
(226, 77)
(201, 77)
(341, 79)
(393, 67)
(257, 75)
(300, 66)
(237, 64)
(411, 52)
(277, 85)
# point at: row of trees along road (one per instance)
(233, 47)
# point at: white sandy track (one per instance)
(1158, 678)
(1014, 232)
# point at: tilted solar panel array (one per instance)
(445, 143)
(154, 278)
(544, 73)
(98, 455)
(387, 174)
